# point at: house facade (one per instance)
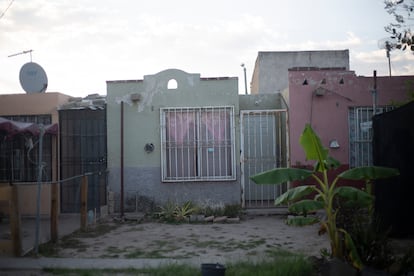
(174, 136)
(339, 105)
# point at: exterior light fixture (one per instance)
(333, 144)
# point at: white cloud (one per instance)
(81, 44)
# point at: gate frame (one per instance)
(242, 156)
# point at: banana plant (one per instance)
(300, 201)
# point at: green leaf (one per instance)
(294, 194)
(352, 250)
(354, 197)
(280, 175)
(305, 206)
(368, 173)
(313, 147)
(329, 163)
(332, 163)
(301, 220)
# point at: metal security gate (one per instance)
(264, 146)
(83, 150)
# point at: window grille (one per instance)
(360, 135)
(197, 144)
(19, 161)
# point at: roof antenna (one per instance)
(22, 53)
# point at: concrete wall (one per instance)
(35, 104)
(262, 102)
(328, 113)
(142, 170)
(270, 73)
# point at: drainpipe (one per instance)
(122, 159)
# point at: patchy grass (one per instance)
(229, 245)
(50, 249)
(295, 265)
(183, 270)
(96, 231)
(276, 252)
(154, 254)
(73, 241)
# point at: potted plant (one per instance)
(341, 243)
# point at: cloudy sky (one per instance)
(82, 43)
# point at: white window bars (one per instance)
(197, 144)
(360, 135)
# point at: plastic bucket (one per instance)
(213, 269)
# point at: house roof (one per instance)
(10, 128)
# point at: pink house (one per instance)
(339, 106)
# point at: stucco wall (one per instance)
(142, 170)
(270, 74)
(261, 102)
(328, 113)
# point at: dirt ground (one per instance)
(251, 238)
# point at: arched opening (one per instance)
(172, 84)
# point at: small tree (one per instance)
(400, 30)
(326, 192)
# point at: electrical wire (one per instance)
(4, 12)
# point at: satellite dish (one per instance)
(33, 78)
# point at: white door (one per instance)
(264, 146)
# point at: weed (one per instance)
(276, 252)
(278, 267)
(114, 250)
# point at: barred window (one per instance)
(197, 144)
(19, 156)
(360, 135)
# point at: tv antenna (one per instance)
(387, 44)
(22, 53)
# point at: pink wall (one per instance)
(328, 114)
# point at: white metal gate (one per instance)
(264, 146)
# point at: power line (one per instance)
(3, 13)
